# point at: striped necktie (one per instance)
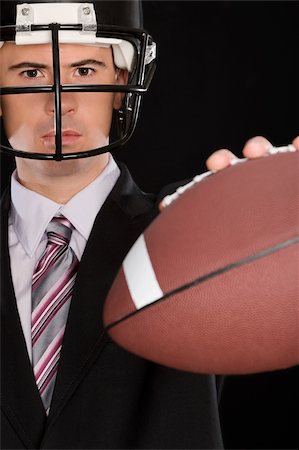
(52, 287)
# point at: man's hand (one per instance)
(254, 148)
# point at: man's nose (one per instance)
(68, 104)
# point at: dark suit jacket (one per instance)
(104, 396)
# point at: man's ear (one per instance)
(122, 77)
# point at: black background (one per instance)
(227, 71)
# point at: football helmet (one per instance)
(102, 23)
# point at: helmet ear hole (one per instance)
(122, 77)
(123, 118)
(118, 100)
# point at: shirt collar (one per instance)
(31, 212)
(83, 208)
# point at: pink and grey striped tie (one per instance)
(52, 287)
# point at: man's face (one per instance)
(86, 117)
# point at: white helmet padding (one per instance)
(71, 13)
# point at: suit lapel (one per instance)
(21, 402)
(122, 218)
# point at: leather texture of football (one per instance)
(212, 285)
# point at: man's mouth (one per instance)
(69, 137)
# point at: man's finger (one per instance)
(296, 143)
(256, 147)
(220, 159)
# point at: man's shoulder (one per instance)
(130, 198)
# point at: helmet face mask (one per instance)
(131, 71)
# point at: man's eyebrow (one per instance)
(85, 62)
(28, 64)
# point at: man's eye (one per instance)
(84, 71)
(32, 73)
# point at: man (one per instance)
(90, 393)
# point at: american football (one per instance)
(212, 285)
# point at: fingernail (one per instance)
(260, 141)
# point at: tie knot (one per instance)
(59, 230)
